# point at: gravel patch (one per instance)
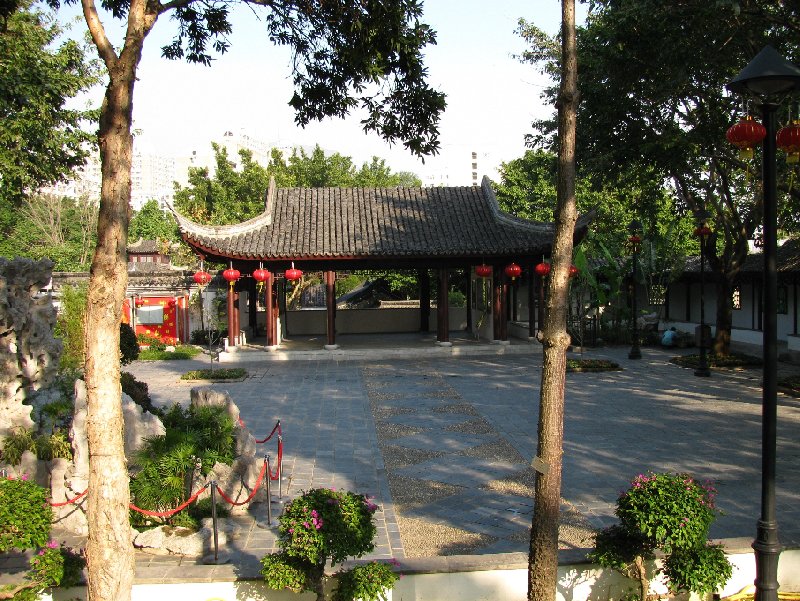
(574, 531)
(384, 396)
(499, 450)
(426, 539)
(520, 484)
(382, 412)
(464, 408)
(396, 457)
(473, 426)
(389, 431)
(408, 492)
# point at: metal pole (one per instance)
(280, 472)
(766, 546)
(214, 518)
(702, 369)
(635, 353)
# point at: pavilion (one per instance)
(340, 229)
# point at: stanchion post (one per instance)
(214, 518)
(269, 492)
(280, 470)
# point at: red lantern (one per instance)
(573, 271)
(703, 230)
(261, 275)
(634, 240)
(231, 275)
(788, 140)
(542, 270)
(293, 274)
(202, 278)
(483, 271)
(746, 135)
(513, 270)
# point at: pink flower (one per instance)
(52, 544)
(41, 551)
(24, 477)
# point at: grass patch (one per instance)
(180, 352)
(592, 365)
(731, 361)
(230, 373)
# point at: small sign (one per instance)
(540, 465)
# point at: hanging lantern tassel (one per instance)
(261, 275)
(231, 275)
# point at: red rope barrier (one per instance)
(166, 514)
(252, 494)
(276, 428)
(69, 501)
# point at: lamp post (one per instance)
(702, 231)
(634, 240)
(769, 79)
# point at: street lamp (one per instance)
(702, 232)
(634, 240)
(769, 79)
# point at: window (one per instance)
(782, 300)
(150, 316)
(736, 298)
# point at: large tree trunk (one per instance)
(110, 560)
(543, 556)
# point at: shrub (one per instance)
(70, 326)
(25, 519)
(53, 446)
(180, 353)
(153, 342)
(321, 526)
(128, 344)
(138, 391)
(230, 373)
(671, 512)
(201, 336)
(16, 443)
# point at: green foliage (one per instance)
(671, 512)
(128, 345)
(153, 342)
(42, 139)
(702, 569)
(56, 415)
(181, 352)
(151, 223)
(367, 582)
(139, 393)
(198, 436)
(16, 443)
(70, 326)
(456, 298)
(321, 526)
(53, 446)
(25, 515)
(230, 373)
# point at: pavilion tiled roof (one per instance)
(374, 223)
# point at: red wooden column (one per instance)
(443, 311)
(270, 317)
(231, 316)
(330, 306)
(237, 317)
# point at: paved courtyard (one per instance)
(463, 424)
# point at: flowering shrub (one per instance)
(671, 512)
(25, 518)
(322, 526)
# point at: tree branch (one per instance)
(104, 47)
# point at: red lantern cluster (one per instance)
(746, 135)
(573, 271)
(703, 230)
(231, 275)
(202, 278)
(513, 271)
(788, 140)
(542, 270)
(483, 271)
(293, 274)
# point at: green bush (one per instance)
(201, 336)
(230, 373)
(128, 345)
(70, 326)
(154, 343)
(53, 446)
(322, 526)
(165, 464)
(180, 353)
(671, 512)
(16, 443)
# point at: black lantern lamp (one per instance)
(702, 231)
(769, 79)
(634, 240)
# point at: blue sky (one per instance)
(492, 98)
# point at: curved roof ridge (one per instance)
(264, 219)
(508, 218)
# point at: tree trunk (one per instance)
(543, 555)
(724, 321)
(110, 560)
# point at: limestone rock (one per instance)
(139, 425)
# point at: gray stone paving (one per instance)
(651, 416)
